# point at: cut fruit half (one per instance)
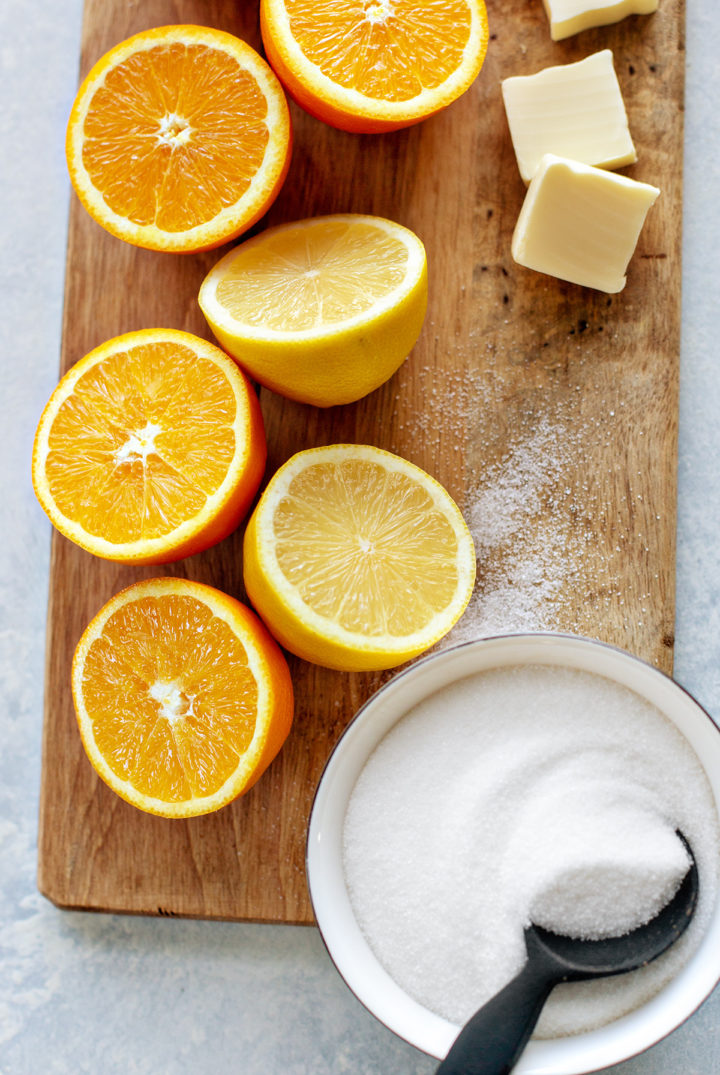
(374, 65)
(151, 448)
(323, 310)
(182, 697)
(357, 559)
(179, 138)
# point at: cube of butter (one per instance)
(581, 223)
(571, 16)
(574, 110)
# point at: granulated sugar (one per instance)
(566, 536)
(521, 570)
(604, 870)
(503, 795)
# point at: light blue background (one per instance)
(104, 994)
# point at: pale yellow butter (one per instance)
(569, 17)
(574, 110)
(581, 223)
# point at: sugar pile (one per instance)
(600, 871)
(518, 792)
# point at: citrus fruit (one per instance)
(182, 697)
(179, 138)
(374, 65)
(322, 310)
(357, 559)
(150, 448)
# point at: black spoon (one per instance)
(491, 1042)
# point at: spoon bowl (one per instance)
(492, 1040)
(616, 955)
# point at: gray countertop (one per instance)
(103, 993)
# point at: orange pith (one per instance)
(182, 697)
(372, 65)
(150, 448)
(179, 138)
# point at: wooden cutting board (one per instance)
(549, 411)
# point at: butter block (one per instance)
(581, 223)
(574, 110)
(569, 17)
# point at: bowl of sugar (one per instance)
(538, 777)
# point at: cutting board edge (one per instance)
(64, 904)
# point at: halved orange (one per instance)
(179, 138)
(151, 448)
(182, 697)
(374, 65)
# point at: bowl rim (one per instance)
(578, 1054)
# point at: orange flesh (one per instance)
(366, 547)
(174, 135)
(145, 437)
(391, 50)
(170, 696)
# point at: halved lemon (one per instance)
(182, 697)
(321, 310)
(356, 558)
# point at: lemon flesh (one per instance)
(356, 559)
(324, 310)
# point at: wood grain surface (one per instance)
(549, 411)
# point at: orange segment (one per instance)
(182, 697)
(374, 65)
(179, 138)
(150, 448)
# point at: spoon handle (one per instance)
(492, 1040)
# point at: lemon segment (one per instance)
(323, 310)
(356, 559)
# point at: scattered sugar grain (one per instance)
(526, 555)
(543, 563)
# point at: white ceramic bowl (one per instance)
(346, 944)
